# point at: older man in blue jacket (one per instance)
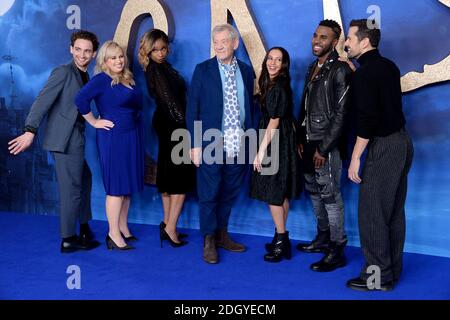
(221, 98)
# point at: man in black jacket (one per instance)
(323, 109)
(377, 97)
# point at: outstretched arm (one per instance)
(47, 96)
(39, 110)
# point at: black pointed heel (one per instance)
(110, 244)
(162, 225)
(163, 235)
(130, 238)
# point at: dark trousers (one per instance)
(381, 211)
(323, 185)
(74, 184)
(218, 186)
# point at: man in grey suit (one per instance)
(64, 138)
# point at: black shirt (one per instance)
(85, 78)
(377, 96)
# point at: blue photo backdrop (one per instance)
(34, 39)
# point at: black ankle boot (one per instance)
(269, 246)
(319, 244)
(281, 248)
(334, 258)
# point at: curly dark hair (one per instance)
(333, 25)
(85, 35)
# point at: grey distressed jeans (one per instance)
(324, 188)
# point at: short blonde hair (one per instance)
(106, 51)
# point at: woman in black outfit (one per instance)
(276, 179)
(168, 89)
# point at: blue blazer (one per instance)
(205, 101)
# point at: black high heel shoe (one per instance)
(110, 244)
(182, 235)
(130, 238)
(163, 235)
(162, 225)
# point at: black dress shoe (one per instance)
(75, 243)
(87, 237)
(361, 285)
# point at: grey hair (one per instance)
(226, 27)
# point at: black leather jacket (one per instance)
(325, 103)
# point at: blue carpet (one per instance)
(31, 267)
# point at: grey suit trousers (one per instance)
(381, 211)
(74, 183)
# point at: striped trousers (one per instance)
(381, 209)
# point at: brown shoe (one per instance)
(223, 240)
(209, 249)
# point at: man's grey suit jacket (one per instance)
(57, 101)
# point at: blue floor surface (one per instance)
(31, 267)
